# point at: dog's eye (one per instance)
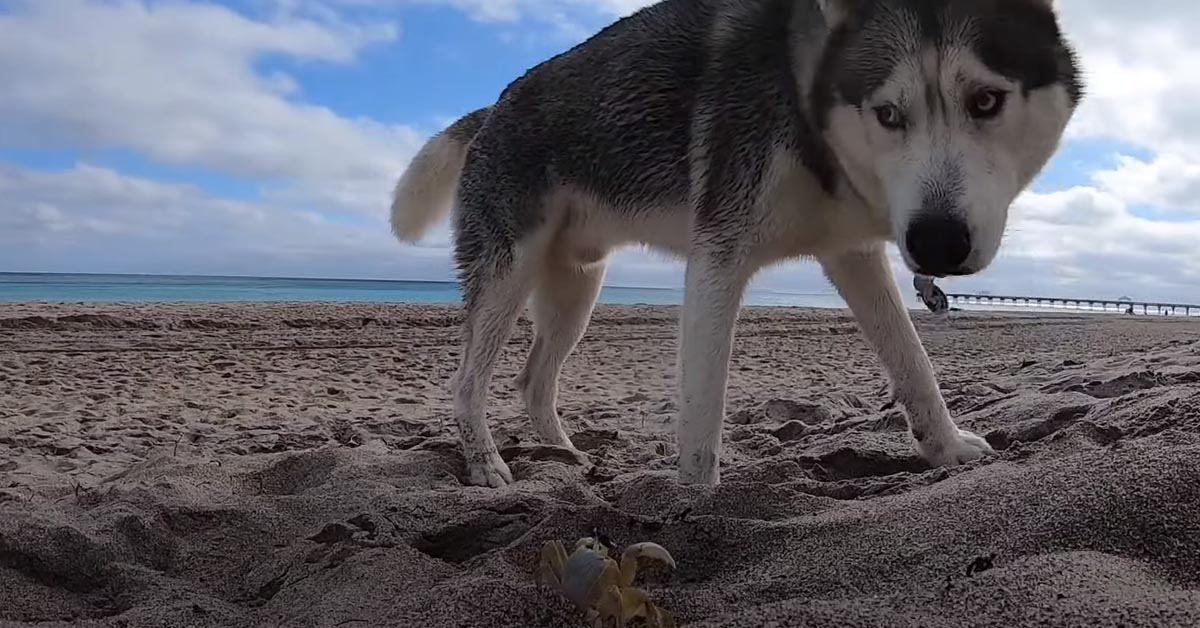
(986, 103)
(889, 117)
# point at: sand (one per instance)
(294, 465)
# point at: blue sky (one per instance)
(262, 137)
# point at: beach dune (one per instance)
(296, 465)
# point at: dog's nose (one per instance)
(938, 244)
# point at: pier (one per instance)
(1122, 305)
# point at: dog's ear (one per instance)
(838, 12)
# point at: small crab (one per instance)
(597, 585)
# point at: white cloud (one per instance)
(1140, 60)
(50, 218)
(1170, 181)
(176, 82)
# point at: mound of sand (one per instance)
(281, 466)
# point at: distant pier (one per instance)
(1123, 305)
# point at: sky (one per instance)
(263, 138)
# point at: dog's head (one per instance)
(942, 112)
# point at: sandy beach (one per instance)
(295, 465)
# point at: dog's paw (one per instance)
(956, 447)
(488, 469)
(700, 468)
(556, 438)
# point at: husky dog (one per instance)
(736, 134)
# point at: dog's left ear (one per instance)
(837, 12)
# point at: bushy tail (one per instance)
(425, 192)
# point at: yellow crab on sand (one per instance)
(597, 585)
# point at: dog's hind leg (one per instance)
(864, 280)
(564, 295)
(496, 281)
(713, 286)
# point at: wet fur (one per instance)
(733, 134)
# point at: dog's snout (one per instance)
(938, 244)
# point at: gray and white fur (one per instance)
(736, 134)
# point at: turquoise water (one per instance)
(56, 288)
(88, 288)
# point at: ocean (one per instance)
(97, 288)
(85, 288)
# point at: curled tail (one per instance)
(425, 192)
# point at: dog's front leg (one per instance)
(864, 280)
(714, 283)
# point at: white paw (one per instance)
(699, 468)
(488, 469)
(957, 447)
(557, 438)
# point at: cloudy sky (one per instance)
(262, 137)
